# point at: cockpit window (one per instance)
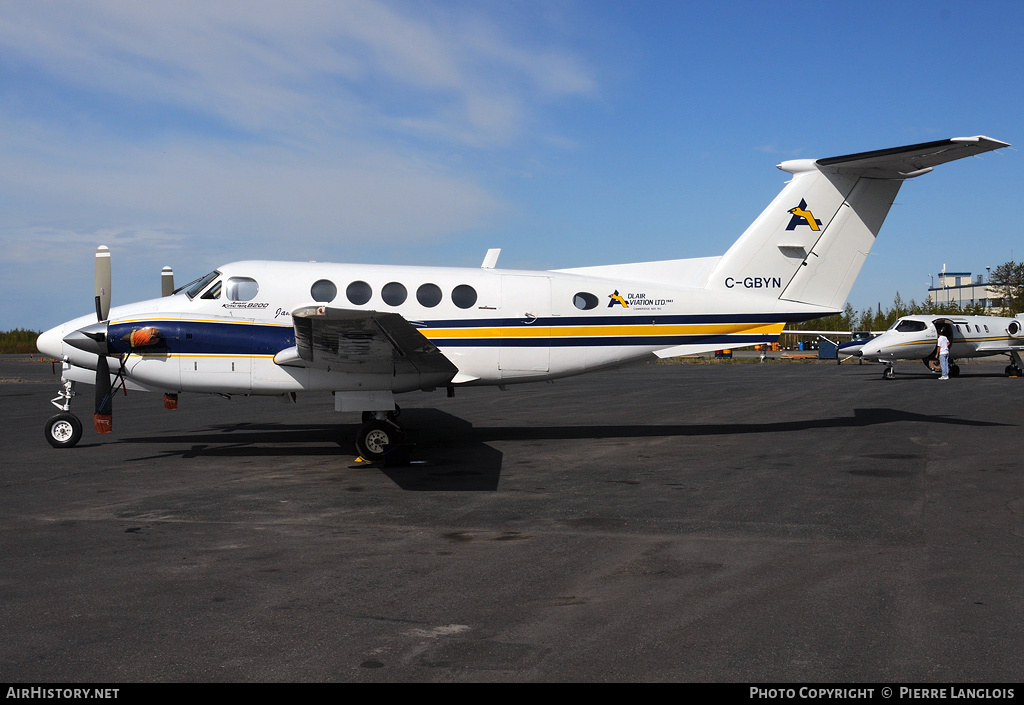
(200, 284)
(242, 289)
(910, 326)
(213, 292)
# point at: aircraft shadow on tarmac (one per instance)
(448, 453)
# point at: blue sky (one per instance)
(566, 132)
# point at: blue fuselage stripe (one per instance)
(185, 337)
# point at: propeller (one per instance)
(102, 282)
(103, 418)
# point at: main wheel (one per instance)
(954, 370)
(63, 430)
(374, 436)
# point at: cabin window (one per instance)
(464, 296)
(359, 293)
(986, 327)
(323, 291)
(911, 326)
(241, 289)
(429, 295)
(200, 284)
(394, 294)
(584, 301)
(1013, 328)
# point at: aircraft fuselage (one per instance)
(496, 326)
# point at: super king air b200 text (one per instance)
(366, 333)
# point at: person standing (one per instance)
(943, 344)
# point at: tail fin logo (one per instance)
(616, 299)
(802, 216)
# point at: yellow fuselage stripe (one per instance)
(602, 331)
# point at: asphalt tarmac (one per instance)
(784, 522)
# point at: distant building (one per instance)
(960, 289)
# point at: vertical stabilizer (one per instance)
(768, 256)
(809, 245)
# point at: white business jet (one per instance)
(915, 338)
(366, 333)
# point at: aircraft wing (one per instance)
(1000, 348)
(913, 160)
(363, 342)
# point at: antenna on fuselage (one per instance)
(491, 258)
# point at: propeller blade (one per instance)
(102, 282)
(103, 418)
(166, 281)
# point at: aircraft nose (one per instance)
(49, 343)
(90, 339)
(870, 350)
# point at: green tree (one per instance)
(1007, 280)
(18, 341)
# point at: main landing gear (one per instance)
(380, 429)
(1016, 366)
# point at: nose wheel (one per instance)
(63, 430)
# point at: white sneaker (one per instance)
(942, 378)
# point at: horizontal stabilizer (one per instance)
(912, 160)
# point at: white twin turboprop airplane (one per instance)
(914, 338)
(366, 333)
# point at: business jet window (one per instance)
(200, 284)
(584, 301)
(429, 295)
(359, 293)
(911, 326)
(394, 294)
(463, 296)
(241, 289)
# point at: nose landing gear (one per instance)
(63, 430)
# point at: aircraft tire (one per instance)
(373, 436)
(954, 370)
(889, 373)
(63, 430)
